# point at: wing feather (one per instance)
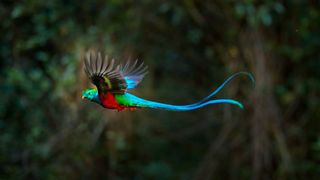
(110, 78)
(133, 73)
(104, 74)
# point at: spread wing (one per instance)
(104, 74)
(110, 78)
(133, 73)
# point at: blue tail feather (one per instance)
(223, 84)
(203, 102)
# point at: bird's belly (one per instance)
(108, 101)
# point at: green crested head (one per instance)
(91, 94)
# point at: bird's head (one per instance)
(90, 94)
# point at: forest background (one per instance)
(48, 132)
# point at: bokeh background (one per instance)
(48, 132)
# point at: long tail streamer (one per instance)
(201, 103)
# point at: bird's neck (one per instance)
(96, 99)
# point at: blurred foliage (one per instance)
(48, 132)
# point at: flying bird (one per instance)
(114, 81)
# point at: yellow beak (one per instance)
(82, 97)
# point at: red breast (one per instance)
(108, 101)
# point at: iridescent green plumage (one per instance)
(112, 83)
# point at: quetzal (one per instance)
(113, 82)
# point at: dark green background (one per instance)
(48, 132)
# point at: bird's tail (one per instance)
(201, 103)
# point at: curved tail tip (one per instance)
(231, 101)
(250, 75)
(239, 104)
